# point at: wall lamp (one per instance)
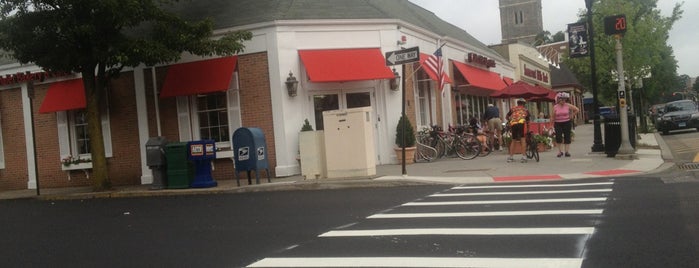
(292, 85)
(394, 82)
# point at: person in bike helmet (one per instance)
(563, 115)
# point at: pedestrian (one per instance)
(563, 115)
(518, 117)
(477, 131)
(491, 116)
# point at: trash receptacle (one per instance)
(250, 150)
(155, 160)
(179, 168)
(202, 152)
(612, 133)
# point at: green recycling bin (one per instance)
(180, 170)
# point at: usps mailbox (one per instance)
(250, 149)
(201, 153)
(155, 160)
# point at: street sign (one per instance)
(399, 57)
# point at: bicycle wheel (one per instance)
(468, 148)
(440, 147)
(532, 151)
(486, 148)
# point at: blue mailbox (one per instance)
(201, 153)
(250, 149)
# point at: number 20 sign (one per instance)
(615, 24)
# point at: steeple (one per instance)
(520, 20)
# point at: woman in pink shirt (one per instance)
(563, 114)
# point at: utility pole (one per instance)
(625, 150)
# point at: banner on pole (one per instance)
(578, 40)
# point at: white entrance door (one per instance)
(345, 99)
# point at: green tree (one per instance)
(98, 38)
(645, 49)
(558, 37)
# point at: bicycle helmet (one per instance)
(521, 100)
(562, 95)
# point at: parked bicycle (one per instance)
(532, 147)
(446, 144)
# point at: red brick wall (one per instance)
(125, 163)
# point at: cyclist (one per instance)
(518, 117)
(491, 116)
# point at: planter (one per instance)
(312, 154)
(541, 147)
(409, 155)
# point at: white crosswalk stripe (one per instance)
(447, 222)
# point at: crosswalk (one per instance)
(503, 225)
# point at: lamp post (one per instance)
(597, 144)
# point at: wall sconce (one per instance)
(291, 85)
(393, 83)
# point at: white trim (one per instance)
(142, 117)
(29, 141)
(184, 125)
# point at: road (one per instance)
(611, 222)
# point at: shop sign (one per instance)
(29, 76)
(479, 59)
(536, 74)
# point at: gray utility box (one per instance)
(155, 160)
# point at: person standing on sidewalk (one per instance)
(563, 114)
(491, 116)
(518, 117)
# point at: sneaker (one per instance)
(567, 154)
(510, 159)
(559, 154)
(523, 160)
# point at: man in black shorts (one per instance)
(517, 118)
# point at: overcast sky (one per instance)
(481, 18)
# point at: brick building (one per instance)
(210, 98)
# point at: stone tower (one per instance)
(520, 20)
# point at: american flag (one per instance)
(434, 64)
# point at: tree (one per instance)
(645, 49)
(98, 38)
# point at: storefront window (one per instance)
(424, 99)
(213, 117)
(80, 132)
(356, 100)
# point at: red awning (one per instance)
(199, 77)
(430, 73)
(480, 78)
(342, 65)
(63, 96)
(508, 81)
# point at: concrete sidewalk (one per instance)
(649, 158)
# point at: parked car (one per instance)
(607, 111)
(682, 114)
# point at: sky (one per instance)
(481, 19)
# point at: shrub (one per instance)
(405, 128)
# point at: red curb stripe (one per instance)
(530, 177)
(612, 172)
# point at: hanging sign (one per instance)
(577, 40)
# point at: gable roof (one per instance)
(563, 77)
(227, 13)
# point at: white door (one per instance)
(345, 99)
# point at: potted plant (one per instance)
(543, 142)
(405, 138)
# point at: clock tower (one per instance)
(520, 20)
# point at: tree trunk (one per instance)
(94, 89)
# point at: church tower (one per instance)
(520, 20)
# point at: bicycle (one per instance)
(471, 137)
(424, 152)
(531, 147)
(449, 143)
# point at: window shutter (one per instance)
(183, 122)
(106, 134)
(63, 134)
(234, 118)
